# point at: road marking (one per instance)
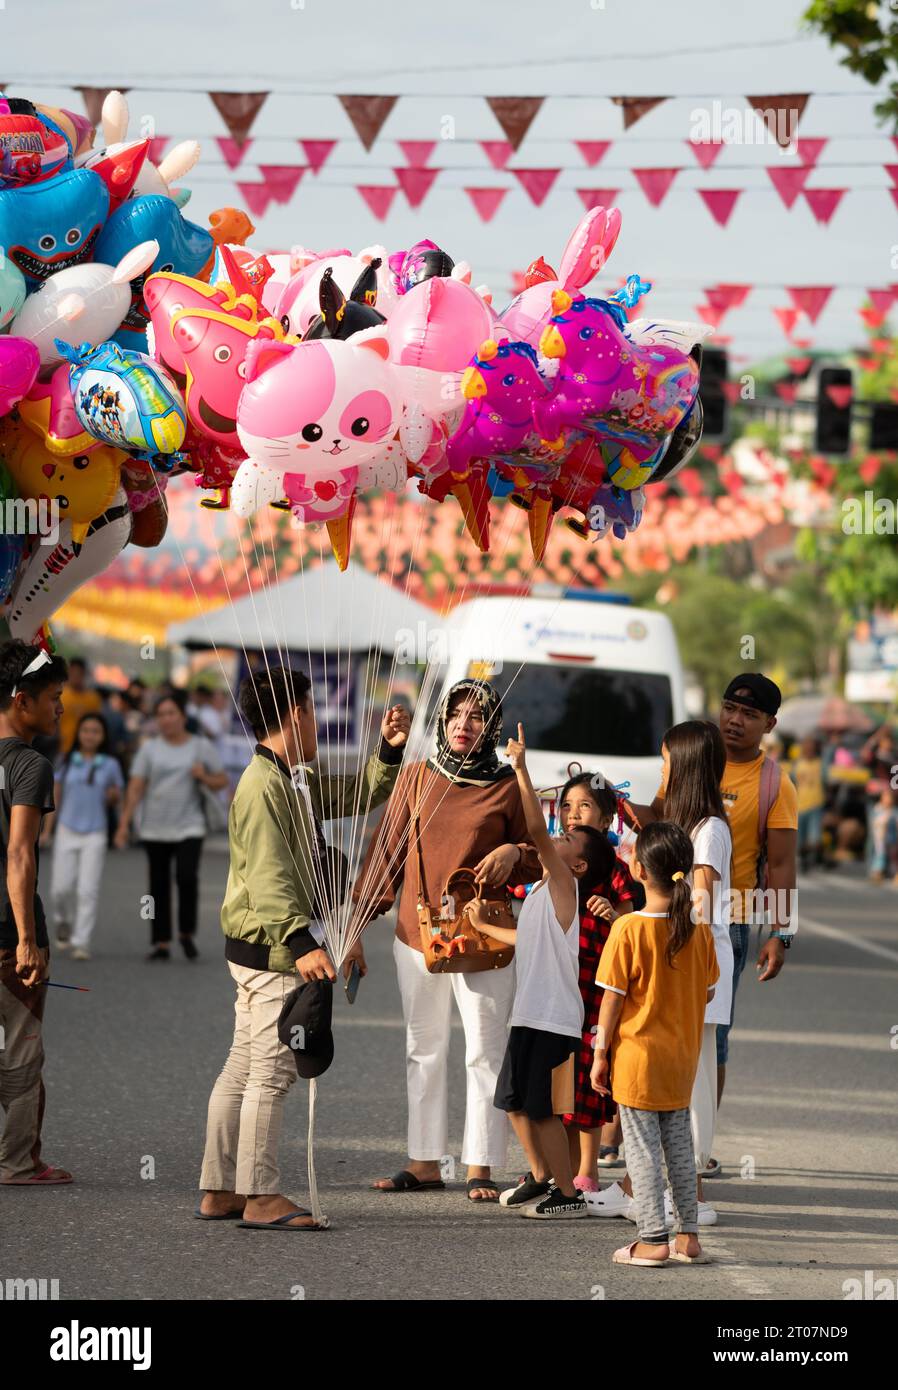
(808, 924)
(864, 1042)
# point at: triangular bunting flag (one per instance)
(809, 151)
(486, 201)
(894, 193)
(515, 115)
(798, 365)
(157, 148)
(257, 197)
(824, 201)
(787, 390)
(892, 171)
(282, 179)
(93, 98)
(810, 299)
(597, 197)
(709, 314)
(731, 390)
(780, 114)
(498, 152)
(840, 396)
(720, 202)
(317, 152)
(872, 318)
(536, 183)
(705, 151)
(368, 115)
(378, 198)
(736, 295)
(232, 151)
(655, 183)
(417, 152)
(789, 181)
(593, 150)
(803, 343)
(882, 300)
(238, 110)
(634, 108)
(787, 319)
(415, 183)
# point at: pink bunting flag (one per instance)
(705, 151)
(735, 295)
(789, 182)
(720, 202)
(787, 390)
(811, 300)
(593, 150)
(872, 318)
(498, 152)
(378, 198)
(486, 201)
(655, 183)
(892, 171)
(731, 390)
(787, 319)
(157, 148)
(417, 152)
(824, 201)
(882, 300)
(536, 183)
(257, 197)
(810, 150)
(282, 179)
(415, 183)
(894, 193)
(840, 396)
(798, 365)
(708, 314)
(597, 197)
(233, 151)
(317, 152)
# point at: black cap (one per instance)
(756, 691)
(304, 1025)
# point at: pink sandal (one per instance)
(586, 1184)
(625, 1256)
(47, 1177)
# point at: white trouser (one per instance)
(78, 859)
(703, 1106)
(484, 1001)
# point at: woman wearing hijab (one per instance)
(469, 816)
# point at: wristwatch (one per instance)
(784, 936)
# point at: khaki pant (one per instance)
(21, 1064)
(247, 1101)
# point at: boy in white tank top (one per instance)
(535, 1084)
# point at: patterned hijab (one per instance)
(480, 768)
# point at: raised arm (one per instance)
(561, 880)
(336, 796)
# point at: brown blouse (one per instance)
(459, 825)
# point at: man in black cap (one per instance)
(762, 809)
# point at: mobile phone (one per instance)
(351, 984)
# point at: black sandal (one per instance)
(474, 1183)
(407, 1182)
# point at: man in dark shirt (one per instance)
(31, 684)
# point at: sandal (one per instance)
(281, 1223)
(625, 1256)
(684, 1259)
(47, 1177)
(712, 1169)
(405, 1181)
(473, 1184)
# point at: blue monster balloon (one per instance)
(184, 248)
(53, 224)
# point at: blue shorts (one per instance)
(740, 933)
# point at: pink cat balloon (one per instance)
(20, 362)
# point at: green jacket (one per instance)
(268, 900)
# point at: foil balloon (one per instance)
(433, 332)
(299, 304)
(501, 388)
(125, 399)
(12, 542)
(53, 225)
(213, 346)
(50, 412)
(341, 316)
(19, 365)
(421, 262)
(119, 168)
(32, 147)
(77, 489)
(150, 179)
(12, 291)
(584, 256)
(167, 295)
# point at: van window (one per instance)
(566, 709)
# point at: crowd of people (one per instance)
(606, 1028)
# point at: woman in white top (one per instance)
(695, 758)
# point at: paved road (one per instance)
(809, 1119)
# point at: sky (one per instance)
(444, 59)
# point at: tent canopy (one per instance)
(321, 609)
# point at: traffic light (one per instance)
(834, 392)
(884, 426)
(714, 402)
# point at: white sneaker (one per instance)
(61, 943)
(707, 1216)
(79, 953)
(611, 1201)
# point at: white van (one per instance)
(593, 680)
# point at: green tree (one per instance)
(870, 43)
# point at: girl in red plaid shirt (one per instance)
(588, 800)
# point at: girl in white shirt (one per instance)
(694, 760)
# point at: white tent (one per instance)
(320, 610)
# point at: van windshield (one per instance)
(566, 709)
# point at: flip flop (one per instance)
(625, 1256)
(682, 1259)
(223, 1216)
(474, 1183)
(407, 1182)
(47, 1177)
(280, 1223)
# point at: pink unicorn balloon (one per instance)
(586, 253)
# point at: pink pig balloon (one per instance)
(19, 365)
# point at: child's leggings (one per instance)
(646, 1134)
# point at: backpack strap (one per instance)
(768, 791)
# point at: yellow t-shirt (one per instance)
(741, 789)
(75, 704)
(656, 1049)
(807, 774)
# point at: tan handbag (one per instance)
(455, 942)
